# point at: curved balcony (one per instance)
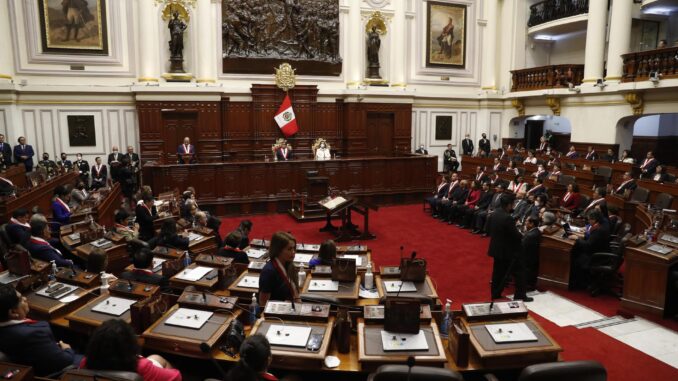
(546, 77)
(639, 65)
(551, 10)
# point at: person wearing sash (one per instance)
(186, 152)
(61, 212)
(231, 250)
(18, 229)
(41, 249)
(572, 199)
(279, 277)
(99, 174)
(145, 216)
(649, 166)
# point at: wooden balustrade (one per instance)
(546, 77)
(639, 65)
(549, 10)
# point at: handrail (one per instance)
(546, 77)
(639, 65)
(550, 10)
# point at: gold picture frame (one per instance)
(73, 26)
(446, 35)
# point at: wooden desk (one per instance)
(365, 258)
(40, 196)
(585, 179)
(554, 261)
(646, 279)
(25, 372)
(243, 293)
(118, 258)
(201, 284)
(17, 175)
(204, 245)
(79, 278)
(348, 291)
(84, 320)
(656, 188)
(44, 308)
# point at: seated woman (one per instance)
(279, 277)
(326, 254)
(511, 168)
(530, 159)
(30, 342)
(322, 150)
(518, 185)
(255, 357)
(78, 195)
(61, 212)
(113, 346)
(572, 199)
(121, 225)
(231, 249)
(168, 236)
(626, 157)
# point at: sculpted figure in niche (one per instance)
(177, 28)
(373, 45)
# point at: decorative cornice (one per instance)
(554, 105)
(636, 101)
(519, 106)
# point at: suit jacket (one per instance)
(459, 195)
(572, 203)
(145, 220)
(144, 277)
(133, 160)
(18, 234)
(181, 150)
(270, 281)
(46, 252)
(6, 152)
(281, 157)
(485, 200)
(520, 209)
(591, 155)
(484, 144)
(448, 155)
(176, 241)
(112, 157)
(597, 241)
(572, 155)
(101, 176)
(27, 150)
(467, 146)
(650, 166)
(33, 343)
(238, 255)
(498, 168)
(421, 151)
(504, 236)
(610, 158)
(530, 245)
(631, 185)
(60, 213)
(66, 164)
(83, 168)
(537, 190)
(483, 177)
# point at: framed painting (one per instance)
(445, 35)
(443, 127)
(81, 131)
(73, 26)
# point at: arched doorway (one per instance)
(529, 128)
(653, 132)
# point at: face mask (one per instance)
(537, 203)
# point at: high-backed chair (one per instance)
(663, 201)
(640, 194)
(4, 357)
(606, 172)
(100, 375)
(565, 371)
(566, 180)
(605, 277)
(419, 373)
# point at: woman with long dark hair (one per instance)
(279, 277)
(255, 357)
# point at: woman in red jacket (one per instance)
(572, 199)
(471, 200)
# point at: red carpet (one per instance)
(459, 265)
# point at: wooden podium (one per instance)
(306, 206)
(340, 206)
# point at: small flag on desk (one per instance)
(286, 119)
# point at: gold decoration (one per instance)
(519, 106)
(172, 7)
(636, 102)
(184, 3)
(554, 105)
(377, 20)
(285, 77)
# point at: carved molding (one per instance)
(636, 101)
(554, 105)
(378, 4)
(519, 106)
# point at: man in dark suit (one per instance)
(660, 174)
(445, 199)
(82, 166)
(65, 164)
(595, 240)
(450, 162)
(497, 166)
(284, 152)
(30, 342)
(143, 270)
(145, 216)
(481, 205)
(459, 195)
(537, 187)
(504, 248)
(521, 206)
(591, 154)
(186, 152)
(467, 146)
(41, 249)
(439, 193)
(47, 165)
(598, 202)
(23, 154)
(530, 252)
(7, 187)
(649, 165)
(5, 152)
(482, 217)
(421, 150)
(114, 159)
(18, 229)
(610, 156)
(484, 144)
(628, 184)
(481, 176)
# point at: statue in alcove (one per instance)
(373, 45)
(176, 43)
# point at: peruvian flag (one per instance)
(286, 119)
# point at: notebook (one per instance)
(113, 306)
(189, 318)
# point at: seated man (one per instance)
(628, 185)
(18, 229)
(168, 236)
(78, 195)
(284, 152)
(30, 342)
(208, 222)
(145, 214)
(479, 223)
(41, 249)
(596, 240)
(537, 187)
(186, 152)
(244, 228)
(231, 249)
(7, 187)
(439, 193)
(143, 270)
(530, 252)
(121, 225)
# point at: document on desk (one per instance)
(510, 333)
(392, 341)
(358, 259)
(101, 243)
(256, 253)
(194, 274)
(333, 203)
(194, 237)
(395, 286)
(323, 285)
(113, 306)
(661, 249)
(249, 282)
(56, 290)
(74, 237)
(189, 318)
(303, 258)
(288, 335)
(157, 264)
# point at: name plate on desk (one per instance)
(399, 286)
(323, 285)
(113, 306)
(500, 310)
(249, 282)
(189, 318)
(376, 313)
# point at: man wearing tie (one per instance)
(186, 152)
(5, 152)
(467, 146)
(114, 162)
(23, 154)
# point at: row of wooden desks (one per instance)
(40, 196)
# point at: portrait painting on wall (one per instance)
(446, 35)
(443, 127)
(81, 131)
(73, 26)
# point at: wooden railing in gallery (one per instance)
(639, 65)
(550, 10)
(546, 77)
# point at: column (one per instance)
(353, 55)
(399, 44)
(595, 41)
(488, 81)
(620, 38)
(203, 21)
(148, 41)
(6, 57)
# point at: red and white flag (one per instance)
(286, 119)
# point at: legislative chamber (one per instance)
(339, 190)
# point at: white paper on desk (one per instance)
(255, 253)
(358, 259)
(189, 318)
(157, 263)
(333, 203)
(194, 274)
(113, 306)
(661, 249)
(303, 258)
(323, 285)
(70, 298)
(510, 333)
(100, 243)
(6, 277)
(194, 237)
(577, 229)
(288, 335)
(368, 294)
(249, 282)
(394, 286)
(74, 236)
(43, 291)
(392, 341)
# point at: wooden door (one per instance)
(177, 126)
(534, 130)
(380, 128)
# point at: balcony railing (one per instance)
(550, 10)
(546, 77)
(638, 66)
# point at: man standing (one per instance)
(649, 166)
(530, 253)
(484, 144)
(450, 162)
(186, 152)
(467, 146)
(99, 175)
(421, 150)
(134, 164)
(114, 159)
(82, 166)
(65, 164)
(5, 152)
(23, 154)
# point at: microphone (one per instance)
(204, 297)
(129, 285)
(205, 348)
(410, 364)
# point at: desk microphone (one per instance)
(129, 285)
(410, 364)
(204, 297)
(205, 348)
(414, 255)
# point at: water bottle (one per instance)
(302, 276)
(446, 320)
(254, 309)
(187, 259)
(103, 289)
(52, 275)
(369, 277)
